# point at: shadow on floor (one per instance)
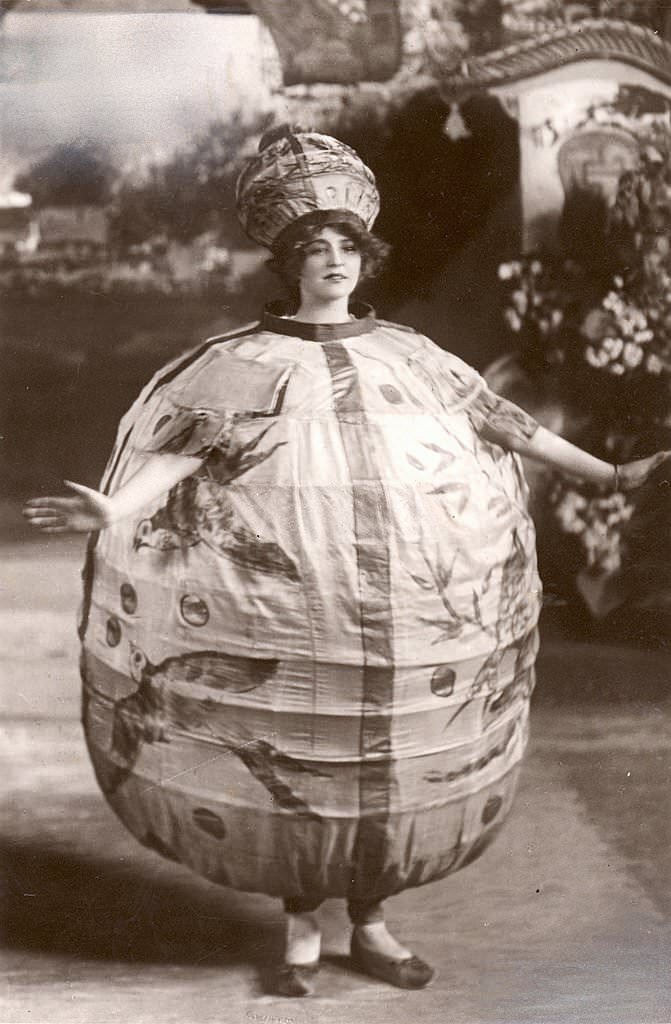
(60, 902)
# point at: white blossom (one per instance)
(632, 355)
(595, 357)
(611, 561)
(654, 364)
(513, 319)
(612, 346)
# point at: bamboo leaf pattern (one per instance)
(513, 598)
(488, 674)
(453, 626)
(448, 630)
(421, 582)
(449, 456)
(498, 505)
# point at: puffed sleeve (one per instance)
(461, 389)
(493, 415)
(195, 412)
(453, 382)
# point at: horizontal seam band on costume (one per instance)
(268, 711)
(207, 740)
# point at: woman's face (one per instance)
(331, 267)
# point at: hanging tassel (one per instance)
(455, 126)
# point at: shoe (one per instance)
(410, 972)
(295, 979)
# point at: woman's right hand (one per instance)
(87, 510)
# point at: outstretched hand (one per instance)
(633, 474)
(87, 510)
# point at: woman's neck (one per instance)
(336, 312)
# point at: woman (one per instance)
(309, 624)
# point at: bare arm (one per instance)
(90, 510)
(512, 428)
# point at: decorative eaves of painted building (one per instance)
(566, 88)
(560, 45)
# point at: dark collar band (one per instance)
(275, 321)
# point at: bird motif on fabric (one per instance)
(154, 710)
(198, 511)
(145, 715)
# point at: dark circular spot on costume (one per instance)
(113, 632)
(161, 423)
(491, 809)
(392, 394)
(209, 822)
(194, 610)
(128, 598)
(442, 681)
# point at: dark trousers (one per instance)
(360, 911)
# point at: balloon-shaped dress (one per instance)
(307, 668)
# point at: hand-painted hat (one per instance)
(297, 172)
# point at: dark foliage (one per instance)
(191, 193)
(73, 174)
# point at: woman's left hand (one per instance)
(633, 474)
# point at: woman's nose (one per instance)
(335, 258)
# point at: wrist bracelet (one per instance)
(616, 482)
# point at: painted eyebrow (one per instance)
(320, 243)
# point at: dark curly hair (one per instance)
(288, 252)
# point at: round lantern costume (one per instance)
(307, 668)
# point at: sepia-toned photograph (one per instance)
(335, 613)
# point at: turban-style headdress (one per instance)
(298, 172)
